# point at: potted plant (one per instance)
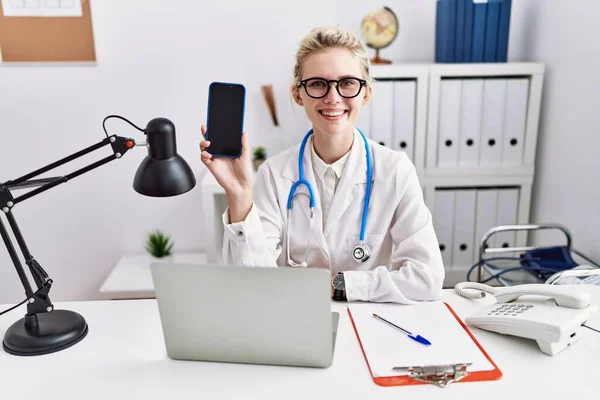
(259, 156)
(159, 245)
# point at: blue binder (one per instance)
(445, 30)
(459, 39)
(468, 31)
(451, 33)
(491, 31)
(439, 30)
(479, 23)
(503, 31)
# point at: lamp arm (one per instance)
(120, 146)
(39, 301)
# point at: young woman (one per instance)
(370, 226)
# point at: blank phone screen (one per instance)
(225, 121)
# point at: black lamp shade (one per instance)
(163, 172)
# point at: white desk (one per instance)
(124, 356)
(131, 277)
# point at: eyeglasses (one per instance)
(317, 88)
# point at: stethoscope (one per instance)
(361, 252)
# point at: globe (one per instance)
(379, 29)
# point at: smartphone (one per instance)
(225, 119)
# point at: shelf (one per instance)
(481, 181)
(486, 69)
(478, 176)
(519, 170)
(414, 70)
(131, 278)
(400, 71)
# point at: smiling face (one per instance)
(332, 115)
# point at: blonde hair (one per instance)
(324, 38)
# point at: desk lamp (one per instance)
(162, 173)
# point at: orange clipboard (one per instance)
(427, 376)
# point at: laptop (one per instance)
(251, 315)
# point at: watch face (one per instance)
(339, 283)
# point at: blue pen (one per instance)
(417, 338)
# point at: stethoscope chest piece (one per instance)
(361, 253)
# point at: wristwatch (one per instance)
(339, 287)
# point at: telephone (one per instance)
(550, 315)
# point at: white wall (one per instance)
(563, 35)
(157, 58)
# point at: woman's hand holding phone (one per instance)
(234, 175)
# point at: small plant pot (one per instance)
(257, 163)
(164, 260)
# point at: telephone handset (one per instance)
(551, 315)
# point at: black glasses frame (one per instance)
(302, 83)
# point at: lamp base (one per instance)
(44, 333)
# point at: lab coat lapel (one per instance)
(290, 172)
(354, 174)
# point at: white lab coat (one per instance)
(405, 264)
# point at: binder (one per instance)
(479, 26)
(492, 124)
(491, 31)
(464, 228)
(394, 360)
(404, 117)
(468, 31)
(383, 112)
(440, 30)
(443, 222)
(470, 122)
(459, 40)
(515, 117)
(449, 123)
(503, 31)
(451, 32)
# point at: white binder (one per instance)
(517, 92)
(449, 122)
(404, 117)
(492, 124)
(508, 206)
(443, 222)
(485, 217)
(382, 116)
(464, 228)
(470, 122)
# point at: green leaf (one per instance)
(159, 244)
(260, 153)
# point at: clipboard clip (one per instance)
(439, 375)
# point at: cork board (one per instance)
(47, 39)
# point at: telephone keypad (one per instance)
(510, 309)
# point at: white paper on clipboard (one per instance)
(389, 351)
